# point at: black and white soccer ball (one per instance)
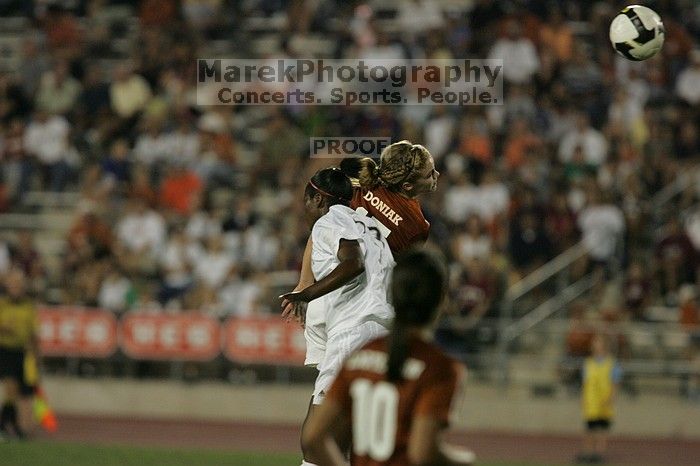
(637, 33)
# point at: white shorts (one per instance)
(315, 332)
(338, 348)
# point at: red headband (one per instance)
(324, 192)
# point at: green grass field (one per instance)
(64, 454)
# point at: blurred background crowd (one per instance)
(168, 206)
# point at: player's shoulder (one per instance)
(337, 216)
(439, 361)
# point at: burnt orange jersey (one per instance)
(382, 412)
(402, 217)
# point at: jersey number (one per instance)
(374, 416)
(385, 231)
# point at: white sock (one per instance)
(306, 463)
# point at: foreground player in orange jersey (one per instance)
(393, 396)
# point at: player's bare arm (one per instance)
(351, 265)
(317, 438)
(306, 278)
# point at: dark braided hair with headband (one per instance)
(399, 163)
(332, 184)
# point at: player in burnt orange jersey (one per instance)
(393, 396)
(388, 191)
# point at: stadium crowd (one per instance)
(188, 207)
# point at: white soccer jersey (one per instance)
(364, 298)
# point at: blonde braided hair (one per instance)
(399, 163)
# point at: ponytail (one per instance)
(397, 352)
(368, 173)
(418, 284)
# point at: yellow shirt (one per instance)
(18, 323)
(597, 388)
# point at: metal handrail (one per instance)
(684, 180)
(547, 308)
(546, 271)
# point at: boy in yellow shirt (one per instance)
(601, 378)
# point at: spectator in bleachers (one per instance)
(63, 32)
(688, 83)
(591, 142)
(557, 34)
(116, 291)
(46, 139)
(472, 242)
(439, 130)
(95, 188)
(460, 198)
(419, 17)
(494, 198)
(26, 256)
(179, 189)
(129, 92)
(241, 293)
(13, 101)
(637, 291)
(33, 65)
(58, 90)
(203, 222)
(116, 165)
(94, 98)
(602, 224)
(152, 145)
(467, 323)
(176, 263)
(16, 162)
(184, 141)
(261, 245)
(89, 238)
(141, 186)
(582, 76)
(141, 236)
(520, 140)
(529, 246)
(212, 267)
(518, 52)
(676, 258)
(475, 143)
(560, 223)
(281, 149)
(687, 142)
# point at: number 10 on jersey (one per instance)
(374, 413)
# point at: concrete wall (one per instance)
(482, 407)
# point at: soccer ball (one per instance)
(637, 33)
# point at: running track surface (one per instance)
(557, 449)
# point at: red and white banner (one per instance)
(189, 336)
(74, 331)
(85, 332)
(264, 340)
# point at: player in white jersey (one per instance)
(351, 262)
